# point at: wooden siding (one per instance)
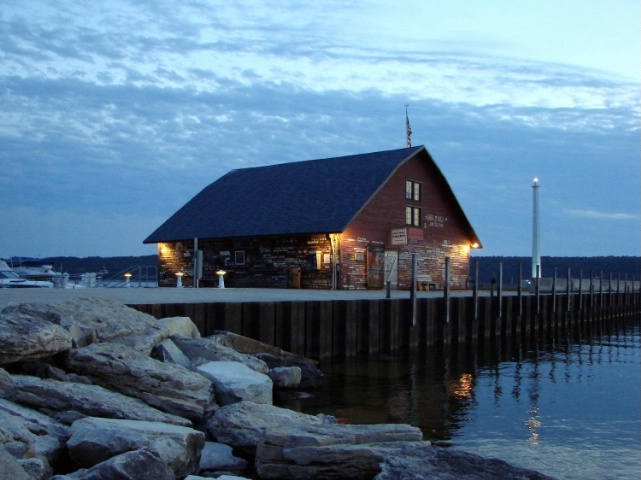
(441, 233)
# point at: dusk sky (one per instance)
(114, 114)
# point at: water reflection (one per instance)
(523, 401)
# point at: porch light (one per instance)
(127, 280)
(179, 279)
(221, 278)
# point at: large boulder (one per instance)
(165, 386)
(68, 401)
(182, 326)
(26, 433)
(168, 352)
(215, 349)
(218, 457)
(416, 461)
(94, 440)
(311, 376)
(234, 382)
(25, 337)
(143, 464)
(10, 468)
(327, 451)
(96, 319)
(7, 387)
(243, 424)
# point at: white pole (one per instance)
(536, 238)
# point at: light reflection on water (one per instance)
(568, 407)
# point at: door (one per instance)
(375, 267)
(391, 268)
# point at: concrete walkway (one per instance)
(134, 295)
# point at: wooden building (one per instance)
(346, 223)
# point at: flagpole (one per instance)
(408, 129)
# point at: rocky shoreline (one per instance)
(92, 389)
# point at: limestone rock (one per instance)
(234, 382)
(10, 468)
(24, 337)
(137, 464)
(94, 440)
(182, 326)
(55, 397)
(285, 377)
(208, 349)
(414, 461)
(7, 387)
(334, 451)
(311, 377)
(96, 319)
(165, 386)
(217, 457)
(243, 424)
(168, 352)
(26, 433)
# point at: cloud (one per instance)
(597, 215)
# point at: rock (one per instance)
(221, 477)
(217, 457)
(285, 377)
(333, 451)
(138, 464)
(415, 461)
(311, 377)
(26, 433)
(168, 352)
(55, 397)
(234, 382)
(242, 425)
(203, 350)
(36, 468)
(165, 386)
(25, 337)
(181, 326)
(10, 468)
(94, 440)
(7, 387)
(101, 319)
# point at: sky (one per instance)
(115, 114)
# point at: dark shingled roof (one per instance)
(315, 196)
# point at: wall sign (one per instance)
(399, 236)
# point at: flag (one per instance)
(408, 129)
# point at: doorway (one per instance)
(391, 268)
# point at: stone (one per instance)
(331, 451)
(311, 377)
(242, 425)
(7, 387)
(10, 468)
(55, 397)
(181, 326)
(26, 433)
(99, 319)
(208, 349)
(285, 377)
(217, 457)
(24, 338)
(94, 440)
(168, 352)
(138, 464)
(416, 461)
(235, 382)
(36, 468)
(165, 386)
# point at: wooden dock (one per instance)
(342, 328)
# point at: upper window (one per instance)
(413, 216)
(412, 190)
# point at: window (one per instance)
(239, 257)
(412, 190)
(413, 216)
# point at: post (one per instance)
(446, 290)
(413, 290)
(500, 290)
(520, 290)
(580, 290)
(196, 279)
(536, 238)
(554, 292)
(475, 291)
(536, 289)
(568, 291)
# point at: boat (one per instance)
(33, 269)
(10, 279)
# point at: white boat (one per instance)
(33, 269)
(10, 279)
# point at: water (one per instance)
(568, 407)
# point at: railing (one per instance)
(139, 276)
